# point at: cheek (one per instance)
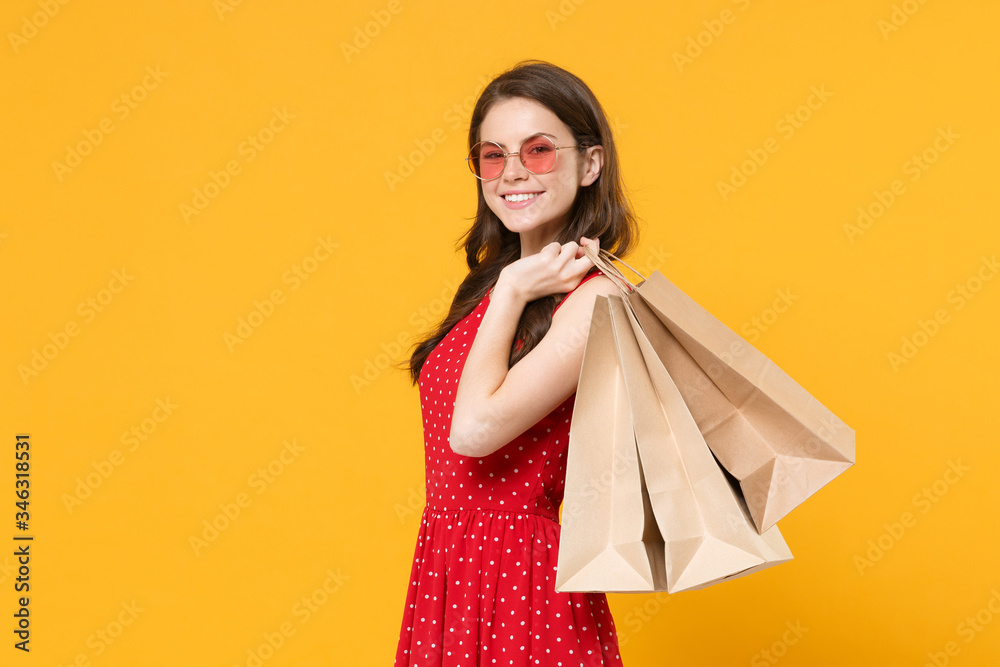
(490, 195)
(568, 176)
(494, 206)
(566, 185)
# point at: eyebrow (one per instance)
(533, 134)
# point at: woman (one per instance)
(497, 382)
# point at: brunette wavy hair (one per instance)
(601, 210)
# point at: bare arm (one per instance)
(493, 405)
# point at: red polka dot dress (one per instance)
(482, 585)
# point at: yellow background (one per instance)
(341, 512)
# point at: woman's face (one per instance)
(545, 211)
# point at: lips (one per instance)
(514, 200)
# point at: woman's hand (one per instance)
(555, 269)
(494, 403)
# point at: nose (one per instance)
(515, 168)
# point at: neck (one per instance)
(534, 240)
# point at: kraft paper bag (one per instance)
(765, 429)
(708, 534)
(609, 540)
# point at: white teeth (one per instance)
(513, 198)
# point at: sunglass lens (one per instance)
(538, 154)
(486, 159)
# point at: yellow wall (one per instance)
(231, 164)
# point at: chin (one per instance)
(520, 225)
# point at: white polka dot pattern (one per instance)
(482, 585)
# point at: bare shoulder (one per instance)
(600, 284)
(586, 292)
(578, 305)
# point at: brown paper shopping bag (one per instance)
(609, 540)
(708, 534)
(771, 434)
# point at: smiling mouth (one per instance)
(521, 197)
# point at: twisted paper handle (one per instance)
(610, 270)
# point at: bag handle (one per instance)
(610, 270)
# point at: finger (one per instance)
(583, 263)
(571, 248)
(580, 252)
